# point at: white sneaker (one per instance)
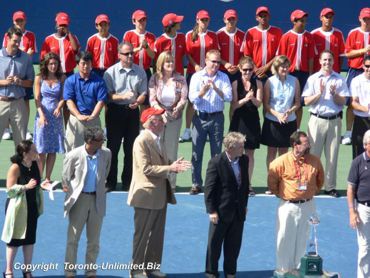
(7, 135)
(29, 135)
(346, 139)
(186, 136)
(157, 274)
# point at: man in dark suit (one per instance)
(226, 197)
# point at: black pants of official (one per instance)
(121, 122)
(360, 126)
(230, 236)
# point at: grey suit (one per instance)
(83, 208)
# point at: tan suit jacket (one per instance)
(149, 187)
(74, 174)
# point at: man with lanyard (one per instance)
(16, 74)
(357, 47)
(261, 43)
(127, 89)
(209, 90)
(358, 198)
(299, 46)
(28, 45)
(103, 46)
(326, 92)
(294, 177)
(85, 94)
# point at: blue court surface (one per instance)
(186, 238)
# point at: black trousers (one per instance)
(360, 126)
(121, 122)
(228, 234)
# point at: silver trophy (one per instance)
(312, 245)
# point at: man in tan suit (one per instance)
(149, 194)
(85, 170)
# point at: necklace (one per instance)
(28, 166)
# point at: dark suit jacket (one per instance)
(221, 191)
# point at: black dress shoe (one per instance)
(334, 193)
(195, 190)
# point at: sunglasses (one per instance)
(98, 140)
(215, 62)
(127, 53)
(247, 70)
(367, 66)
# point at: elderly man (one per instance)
(85, 93)
(84, 172)
(358, 195)
(295, 177)
(226, 196)
(326, 92)
(127, 88)
(16, 74)
(149, 194)
(209, 90)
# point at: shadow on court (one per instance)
(186, 238)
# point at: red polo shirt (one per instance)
(28, 41)
(230, 45)
(357, 39)
(104, 50)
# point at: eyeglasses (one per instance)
(247, 70)
(215, 62)
(127, 53)
(204, 19)
(98, 140)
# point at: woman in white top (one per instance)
(281, 98)
(168, 90)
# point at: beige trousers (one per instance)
(14, 113)
(325, 135)
(83, 212)
(75, 132)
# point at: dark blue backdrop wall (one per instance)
(41, 14)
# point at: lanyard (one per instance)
(299, 174)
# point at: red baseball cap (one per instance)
(365, 13)
(230, 13)
(326, 11)
(147, 113)
(139, 14)
(102, 18)
(297, 14)
(62, 19)
(202, 14)
(171, 18)
(262, 9)
(19, 15)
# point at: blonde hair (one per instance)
(232, 139)
(213, 51)
(162, 58)
(246, 60)
(278, 61)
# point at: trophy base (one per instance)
(325, 274)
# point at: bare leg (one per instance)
(299, 113)
(11, 251)
(42, 157)
(250, 154)
(282, 151)
(27, 256)
(271, 154)
(50, 161)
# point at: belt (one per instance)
(3, 98)
(339, 115)
(365, 203)
(89, 193)
(205, 116)
(299, 201)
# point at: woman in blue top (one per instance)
(281, 98)
(48, 129)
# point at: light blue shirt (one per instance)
(211, 102)
(282, 96)
(92, 172)
(325, 106)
